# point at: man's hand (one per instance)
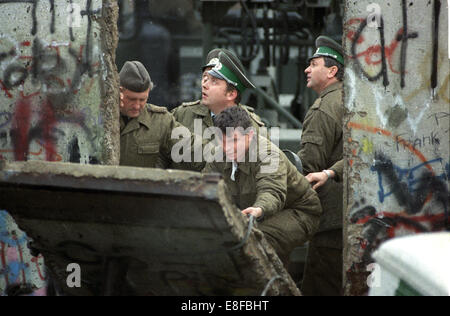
(319, 177)
(255, 211)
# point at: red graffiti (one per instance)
(24, 278)
(372, 54)
(49, 123)
(35, 260)
(21, 125)
(3, 87)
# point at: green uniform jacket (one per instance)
(338, 169)
(282, 188)
(146, 140)
(188, 112)
(322, 148)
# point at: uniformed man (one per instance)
(265, 184)
(145, 129)
(321, 151)
(217, 95)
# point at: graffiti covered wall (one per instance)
(57, 100)
(397, 94)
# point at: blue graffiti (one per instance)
(5, 236)
(409, 176)
(7, 120)
(13, 270)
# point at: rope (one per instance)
(247, 235)
(269, 284)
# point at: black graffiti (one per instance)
(383, 71)
(403, 37)
(417, 142)
(89, 13)
(34, 13)
(49, 69)
(5, 55)
(379, 227)
(435, 38)
(376, 230)
(427, 184)
(439, 116)
(46, 66)
(72, 38)
(74, 151)
(9, 76)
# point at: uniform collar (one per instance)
(145, 118)
(331, 88)
(242, 166)
(134, 124)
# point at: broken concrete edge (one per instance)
(110, 178)
(256, 247)
(109, 83)
(348, 199)
(267, 267)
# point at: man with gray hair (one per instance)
(145, 129)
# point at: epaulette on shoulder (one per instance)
(253, 115)
(249, 108)
(186, 104)
(257, 119)
(157, 109)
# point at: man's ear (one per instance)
(332, 71)
(232, 95)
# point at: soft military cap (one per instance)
(232, 73)
(213, 58)
(329, 48)
(135, 77)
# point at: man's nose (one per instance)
(205, 82)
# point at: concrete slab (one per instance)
(140, 231)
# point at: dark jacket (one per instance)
(146, 141)
(322, 148)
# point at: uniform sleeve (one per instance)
(271, 187)
(338, 169)
(176, 113)
(317, 142)
(188, 141)
(309, 202)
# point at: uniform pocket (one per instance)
(317, 140)
(148, 149)
(148, 155)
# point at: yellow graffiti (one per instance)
(367, 146)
